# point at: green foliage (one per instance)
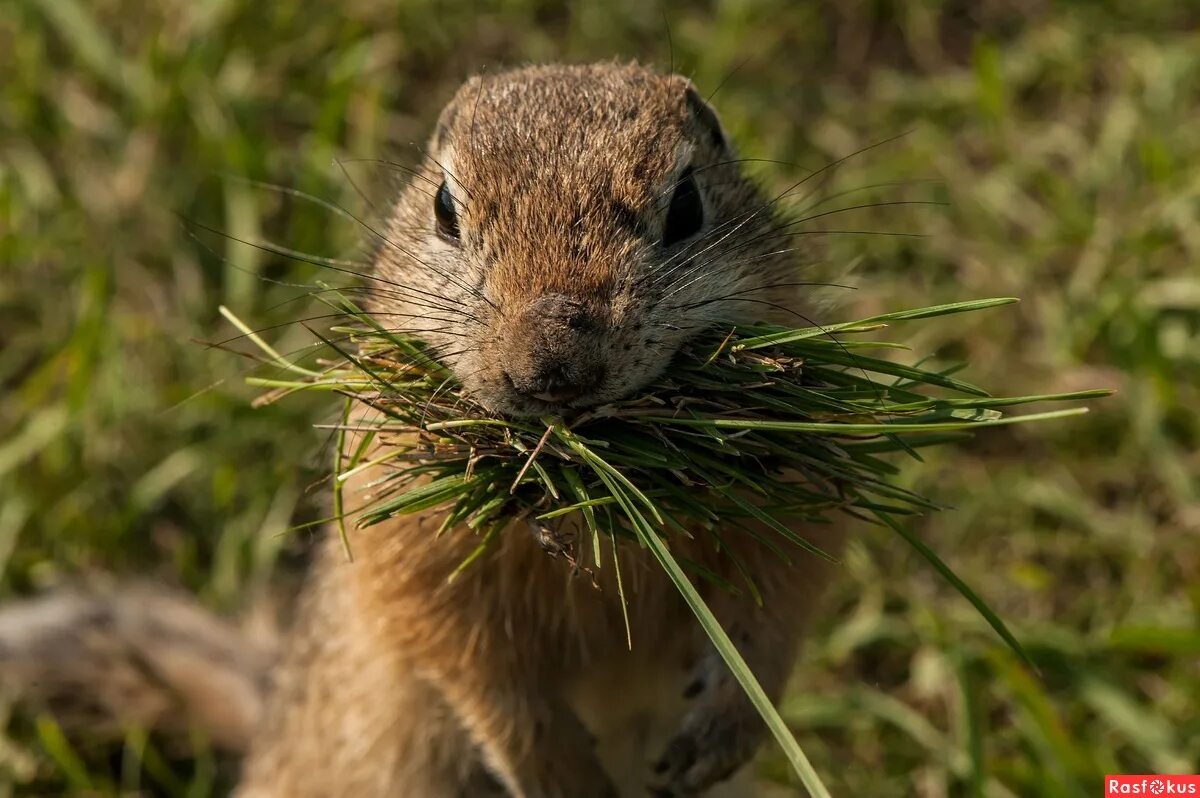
(1062, 141)
(762, 424)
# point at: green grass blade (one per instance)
(270, 351)
(621, 591)
(855, 429)
(721, 641)
(774, 523)
(602, 466)
(56, 745)
(338, 484)
(728, 651)
(790, 336)
(431, 494)
(962, 587)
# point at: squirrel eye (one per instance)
(444, 213)
(685, 216)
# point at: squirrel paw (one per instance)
(713, 744)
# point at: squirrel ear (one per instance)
(706, 117)
(441, 133)
(470, 92)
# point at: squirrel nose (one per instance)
(556, 382)
(554, 350)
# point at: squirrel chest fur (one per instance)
(568, 230)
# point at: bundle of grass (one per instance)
(759, 423)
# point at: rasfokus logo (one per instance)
(1161, 784)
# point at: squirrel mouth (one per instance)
(506, 397)
(520, 405)
(554, 388)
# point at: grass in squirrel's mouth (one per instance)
(757, 423)
(774, 424)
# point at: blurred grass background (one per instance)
(1063, 136)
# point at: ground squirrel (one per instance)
(568, 229)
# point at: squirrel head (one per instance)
(569, 229)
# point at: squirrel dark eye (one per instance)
(444, 213)
(685, 216)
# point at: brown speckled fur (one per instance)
(562, 177)
(400, 682)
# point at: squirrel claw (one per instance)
(709, 749)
